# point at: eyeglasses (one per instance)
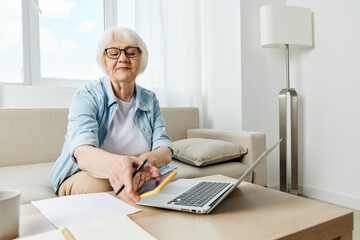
(130, 52)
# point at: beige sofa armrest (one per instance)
(255, 142)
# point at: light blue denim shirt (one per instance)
(92, 109)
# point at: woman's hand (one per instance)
(145, 174)
(121, 173)
(140, 179)
(118, 169)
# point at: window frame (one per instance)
(31, 74)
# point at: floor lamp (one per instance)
(285, 27)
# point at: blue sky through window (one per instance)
(69, 33)
(11, 56)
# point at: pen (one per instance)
(133, 175)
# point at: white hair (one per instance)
(130, 36)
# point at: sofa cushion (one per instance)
(203, 152)
(32, 180)
(233, 169)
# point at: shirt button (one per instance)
(106, 127)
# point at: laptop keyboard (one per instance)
(200, 194)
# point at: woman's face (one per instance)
(122, 69)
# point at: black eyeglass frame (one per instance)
(124, 49)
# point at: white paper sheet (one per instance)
(114, 227)
(73, 209)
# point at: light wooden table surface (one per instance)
(250, 212)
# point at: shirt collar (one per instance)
(140, 103)
(111, 98)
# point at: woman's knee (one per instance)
(82, 183)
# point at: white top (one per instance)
(124, 137)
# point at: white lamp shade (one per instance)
(282, 25)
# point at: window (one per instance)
(47, 42)
(69, 33)
(11, 49)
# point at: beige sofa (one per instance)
(31, 141)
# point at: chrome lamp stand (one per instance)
(285, 186)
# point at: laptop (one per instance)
(197, 196)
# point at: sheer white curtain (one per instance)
(173, 34)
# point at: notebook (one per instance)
(198, 196)
(118, 226)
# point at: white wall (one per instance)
(328, 78)
(327, 81)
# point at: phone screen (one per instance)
(153, 183)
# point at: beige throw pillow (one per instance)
(202, 152)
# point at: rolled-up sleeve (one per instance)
(159, 138)
(83, 125)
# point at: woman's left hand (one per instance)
(147, 172)
(139, 179)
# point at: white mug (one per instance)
(9, 214)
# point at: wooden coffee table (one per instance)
(250, 212)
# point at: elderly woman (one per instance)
(114, 125)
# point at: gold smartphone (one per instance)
(155, 185)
